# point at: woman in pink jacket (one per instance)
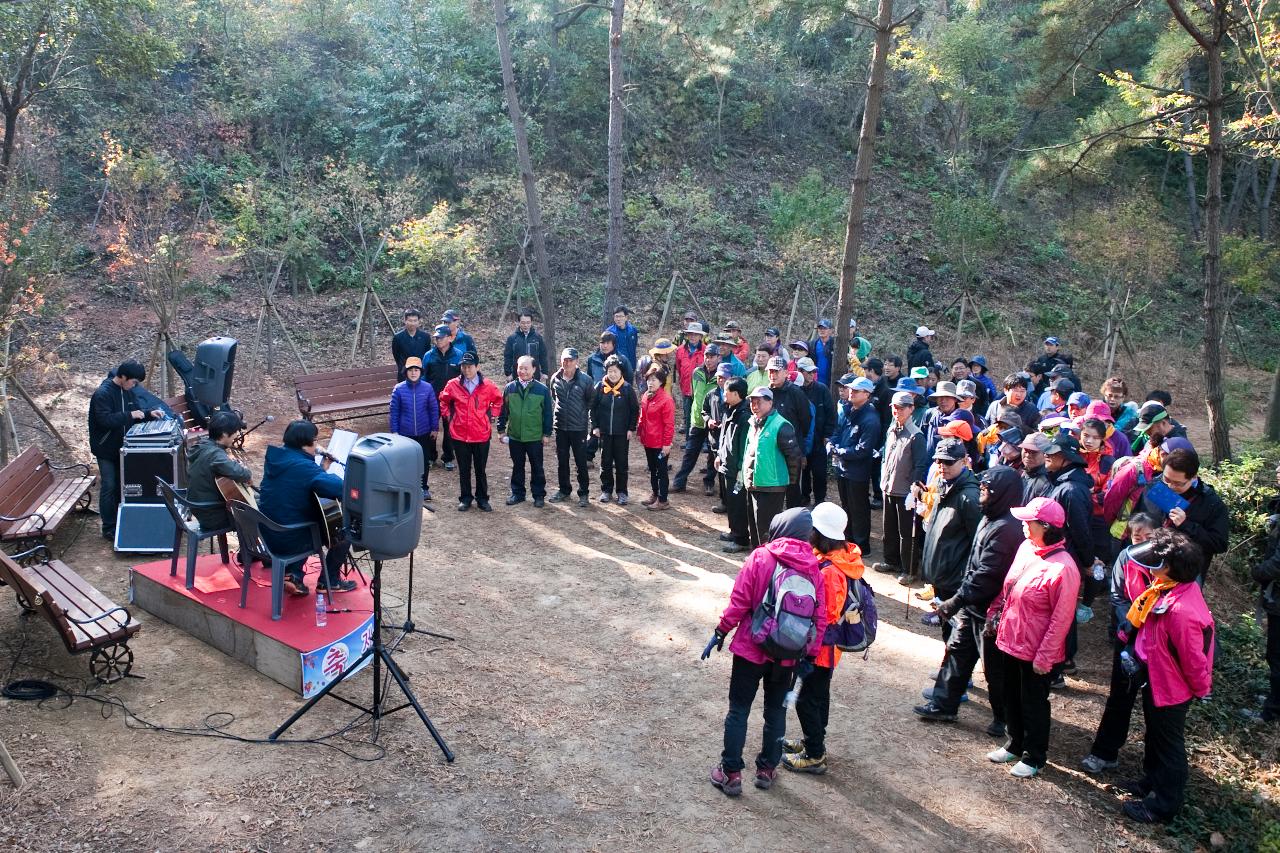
(1175, 641)
(788, 547)
(1033, 613)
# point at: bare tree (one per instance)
(883, 27)
(613, 282)
(532, 199)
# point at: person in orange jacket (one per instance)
(470, 403)
(840, 562)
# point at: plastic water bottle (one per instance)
(1128, 662)
(1099, 570)
(789, 701)
(322, 611)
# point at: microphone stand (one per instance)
(408, 627)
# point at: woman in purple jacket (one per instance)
(415, 413)
(788, 545)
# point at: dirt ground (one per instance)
(573, 696)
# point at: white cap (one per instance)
(830, 520)
(924, 332)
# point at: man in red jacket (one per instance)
(470, 403)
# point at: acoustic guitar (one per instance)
(330, 519)
(233, 490)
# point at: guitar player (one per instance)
(207, 459)
(291, 480)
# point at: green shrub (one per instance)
(1246, 485)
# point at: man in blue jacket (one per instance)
(291, 481)
(461, 340)
(627, 335)
(441, 365)
(415, 413)
(853, 448)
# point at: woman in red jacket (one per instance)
(1175, 641)
(1033, 613)
(656, 430)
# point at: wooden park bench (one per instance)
(86, 619)
(340, 394)
(182, 410)
(34, 501)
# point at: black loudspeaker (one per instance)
(382, 495)
(144, 528)
(213, 371)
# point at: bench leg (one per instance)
(109, 664)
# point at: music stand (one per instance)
(408, 626)
(381, 656)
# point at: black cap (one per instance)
(1067, 445)
(1063, 387)
(469, 357)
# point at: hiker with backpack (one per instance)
(997, 541)
(777, 614)
(850, 626)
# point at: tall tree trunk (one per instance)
(10, 143)
(861, 183)
(1214, 287)
(1264, 209)
(1189, 166)
(613, 282)
(1272, 431)
(532, 200)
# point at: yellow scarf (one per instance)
(1146, 601)
(616, 390)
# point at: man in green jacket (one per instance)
(525, 423)
(770, 463)
(704, 383)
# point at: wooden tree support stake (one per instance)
(35, 407)
(11, 767)
(795, 303)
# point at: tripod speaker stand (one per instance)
(381, 656)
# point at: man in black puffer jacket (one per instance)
(950, 529)
(1073, 489)
(994, 547)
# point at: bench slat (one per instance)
(80, 599)
(307, 380)
(53, 506)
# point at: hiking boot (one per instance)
(605, 497)
(926, 594)
(802, 762)
(539, 503)
(728, 537)
(765, 777)
(1068, 667)
(484, 506)
(877, 503)
(622, 499)
(1001, 756)
(730, 783)
(1023, 770)
(1134, 787)
(792, 745)
(708, 489)
(463, 506)
(934, 713)
(677, 488)
(1084, 613)
(515, 499)
(294, 586)
(734, 548)
(660, 505)
(886, 569)
(1093, 765)
(996, 728)
(583, 501)
(649, 500)
(559, 497)
(905, 579)
(1137, 810)
(449, 466)
(931, 618)
(719, 509)
(1058, 683)
(426, 495)
(337, 586)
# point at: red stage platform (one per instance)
(293, 651)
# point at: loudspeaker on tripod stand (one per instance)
(382, 498)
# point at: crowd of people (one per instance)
(1013, 506)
